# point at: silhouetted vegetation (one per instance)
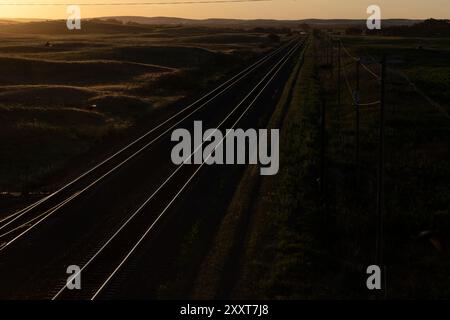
(428, 28)
(353, 31)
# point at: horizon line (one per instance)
(217, 18)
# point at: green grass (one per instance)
(58, 101)
(38, 141)
(417, 154)
(434, 80)
(280, 260)
(427, 67)
(307, 246)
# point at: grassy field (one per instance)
(268, 216)
(424, 60)
(304, 244)
(61, 92)
(416, 163)
(283, 257)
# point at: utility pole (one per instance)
(339, 75)
(357, 127)
(380, 178)
(322, 147)
(330, 49)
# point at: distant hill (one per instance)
(132, 24)
(250, 23)
(9, 21)
(59, 27)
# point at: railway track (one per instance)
(102, 261)
(16, 225)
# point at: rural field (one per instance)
(61, 94)
(415, 208)
(315, 225)
(87, 177)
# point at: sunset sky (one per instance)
(276, 9)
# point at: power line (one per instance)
(369, 103)
(371, 72)
(347, 52)
(352, 92)
(362, 64)
(132, 3)
(349, 87)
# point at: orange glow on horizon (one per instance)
(276, 9)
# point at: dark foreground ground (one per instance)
(308, 233)
(35, 264)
